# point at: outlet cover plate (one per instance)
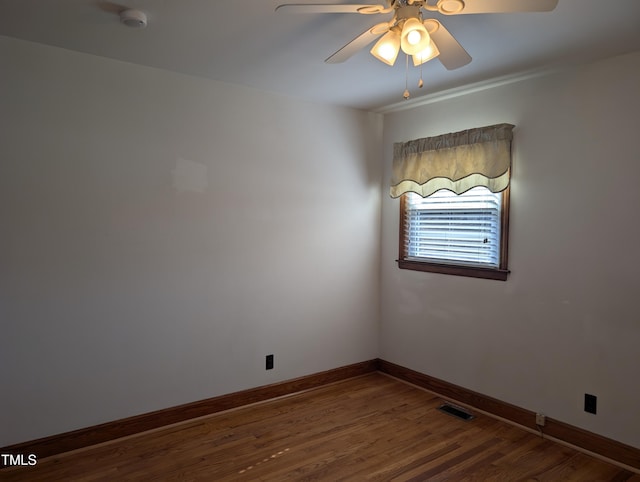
(590, 403)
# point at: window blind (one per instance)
(461, 229)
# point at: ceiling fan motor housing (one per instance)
(403, 13)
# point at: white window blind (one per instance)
(454, 228)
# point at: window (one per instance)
(454, 209)
(462, 234)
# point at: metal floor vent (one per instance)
(457, 412)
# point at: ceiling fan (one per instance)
(410, 32)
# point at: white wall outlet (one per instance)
(540, 419)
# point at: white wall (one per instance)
(566, 322)
(161, 234)
(132, 281)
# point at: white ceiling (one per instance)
(247, 42)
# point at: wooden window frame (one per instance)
(500, 273)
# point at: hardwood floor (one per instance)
(371, 427)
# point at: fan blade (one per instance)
(506, 6)
(329, 8)
(361, 41)
(452, 54)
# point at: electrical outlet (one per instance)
(540, 419)
(590, 403)
(269, 362)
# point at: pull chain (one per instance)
(406, 94)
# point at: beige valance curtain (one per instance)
(457, 161)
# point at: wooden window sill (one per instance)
(456, 270)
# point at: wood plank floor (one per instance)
(367, 428)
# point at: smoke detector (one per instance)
(133, 18)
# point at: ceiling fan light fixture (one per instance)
(431, 52)
(387, 48)
(415, 37)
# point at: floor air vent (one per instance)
(457, 412)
